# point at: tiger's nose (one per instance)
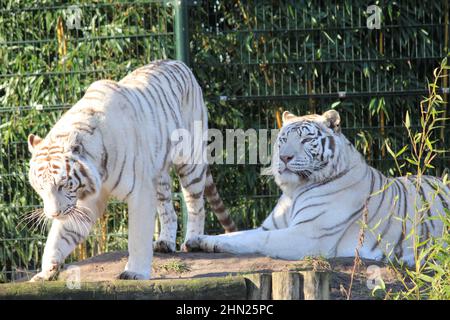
(286, 159)
(52, 214)
(51, 210)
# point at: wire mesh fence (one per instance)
(47, 63)
(252, 59)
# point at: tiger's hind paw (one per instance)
(164, 246)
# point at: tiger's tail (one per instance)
(216, 203)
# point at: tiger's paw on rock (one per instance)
(48, 275)
(164, 246)
(130, 275)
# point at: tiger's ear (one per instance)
(33, 141)
(333, 120)
(287, 116)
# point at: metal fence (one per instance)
(47, 63)
(252, 59)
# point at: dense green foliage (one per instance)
(429, 278)
(252, 58)
(42, 74)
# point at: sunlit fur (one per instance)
(117, 142)
(61, 174)
(329, 193)
(317, 152)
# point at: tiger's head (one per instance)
(61, 175)
(307, 148)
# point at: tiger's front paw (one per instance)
(200, 243)
(164, 246)
(47, 275)
(130, 275)
(190, 245)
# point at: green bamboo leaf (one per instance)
(425, 278)
(407, 121)
(328, 37)
(429, 145)
(413, 162)
(402, 150)
(388, 148)
(335, 104)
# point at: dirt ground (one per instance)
(199, 264)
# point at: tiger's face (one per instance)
(305, 147)
(60, 177)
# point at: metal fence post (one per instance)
(184, 212)
(182, 54)
(181, 31)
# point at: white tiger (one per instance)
(116, 141)
(328, 189)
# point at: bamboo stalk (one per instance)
(445, 76)
(382, 116)
(104, 232)
(312, 107)
(62, 41)
(279, 120)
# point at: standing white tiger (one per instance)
(327, 190)
(116, 141)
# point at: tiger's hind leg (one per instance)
(167, 216)
(193, 178)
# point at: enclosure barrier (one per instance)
(252, 58)
(299, 285)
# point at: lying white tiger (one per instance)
(327, 187)
(116, 141)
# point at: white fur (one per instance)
(128, 155)
(315, 218)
